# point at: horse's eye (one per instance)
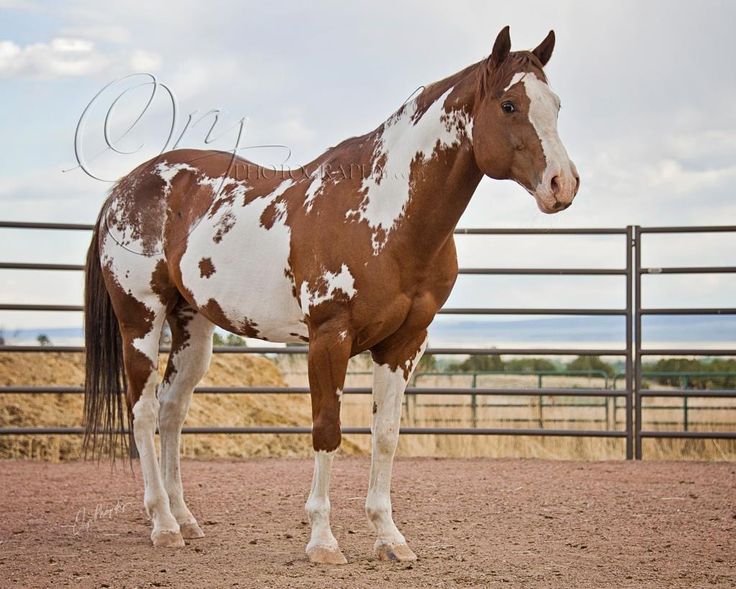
(508, 107)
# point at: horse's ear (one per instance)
(544, 50)
(501, 47)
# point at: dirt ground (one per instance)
(473, 523)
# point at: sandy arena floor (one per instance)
(473, 523)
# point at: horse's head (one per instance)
(515, 125)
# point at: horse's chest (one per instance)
(237, 271)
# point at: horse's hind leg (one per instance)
(191, 349)
(140, 327)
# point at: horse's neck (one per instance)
(428, 170)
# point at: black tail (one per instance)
(105, 411)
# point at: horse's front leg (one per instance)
(391, 372)
(329, 352)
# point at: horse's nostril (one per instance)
(577, 183)
(555, 185)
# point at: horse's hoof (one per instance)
(191, 531)
(394, 552)
(167, 539)
(326, 555)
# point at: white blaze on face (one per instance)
(544, 106)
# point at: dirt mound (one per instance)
(65, 410)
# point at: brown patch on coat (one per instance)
(161, 284)
(276, 211)
(290, 276)
(178, 319)
(214, 313)
(225, 224)
(136, 321)
(206, 267)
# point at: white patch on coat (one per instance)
(133, 273)
(167, 172)
(404, 138)
(250, 260)
(281, 188)
(330, 283)
(315, 187)
(281, 206)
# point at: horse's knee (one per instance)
(326, 435)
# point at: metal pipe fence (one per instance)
(640, 351)
(631, 350)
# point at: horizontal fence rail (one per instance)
(631, 350)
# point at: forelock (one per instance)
(495, 79)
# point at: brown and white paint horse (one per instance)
(347, 261)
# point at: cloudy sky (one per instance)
(649, 116)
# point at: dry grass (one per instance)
(65, 410)
(53, 368)
(524, 412)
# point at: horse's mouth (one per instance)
(555, 207)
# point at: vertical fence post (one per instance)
(474, 401)
(637, 343)
(540, 400)
(685, 416)
(630, 244)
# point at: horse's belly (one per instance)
(238, 273)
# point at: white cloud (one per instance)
(70, 57)
(22, 4)
(144, 61)
(673, 176)
(106, 33)
(59, 57)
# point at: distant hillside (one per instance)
(588, 330)
(604, 331)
